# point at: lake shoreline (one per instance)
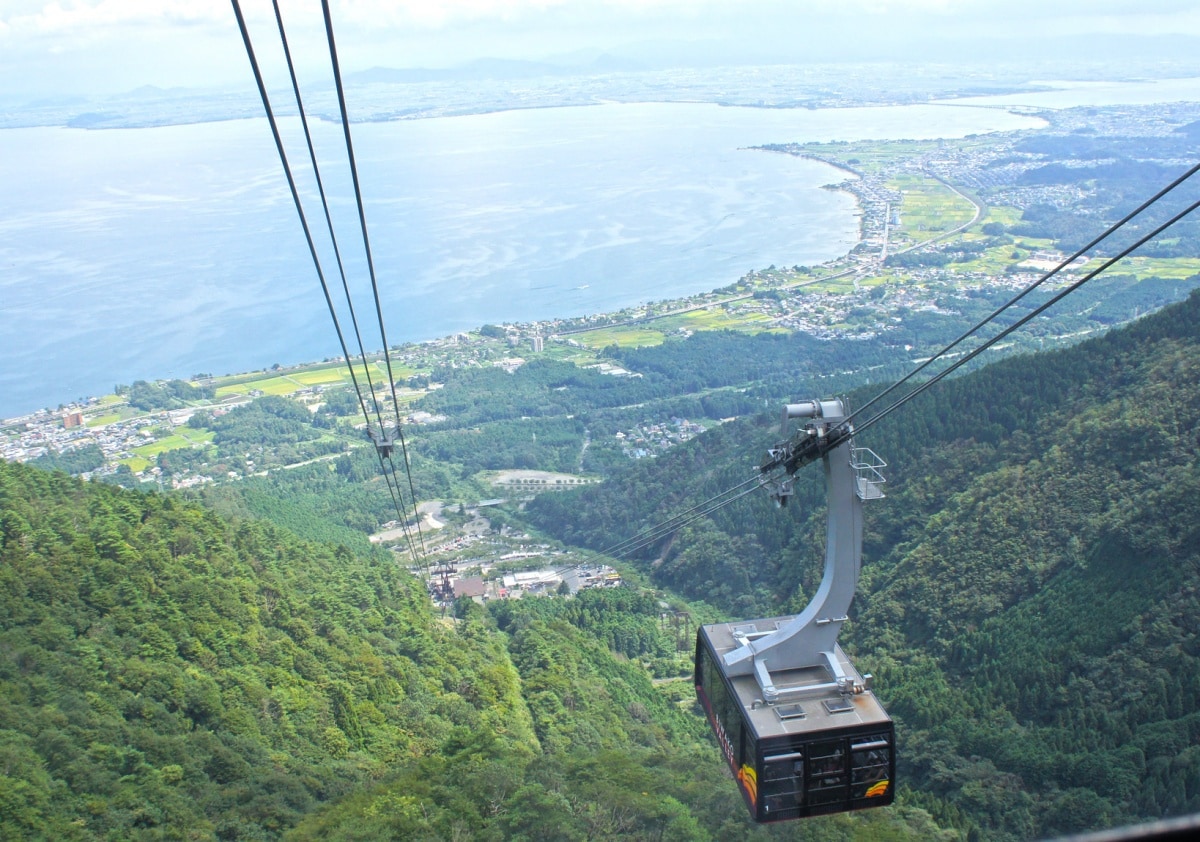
(562, 212)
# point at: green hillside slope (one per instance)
(1029, 601)
(1029, 610)
(1040, 631)
(167, 674)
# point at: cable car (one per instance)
(796, 721)
(825, 754)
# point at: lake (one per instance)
(164, 252)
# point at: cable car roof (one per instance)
(818, 707)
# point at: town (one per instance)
(941, 238)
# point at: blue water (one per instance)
(165, 252)
(1070, 94)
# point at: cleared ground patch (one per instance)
(534, 479)
(994, 261)
(137, 464)
(624, 337)
(840, 286)
(929, 208)
(292, 381)
(162, 446)
(867, 156)
(321, 376)
(720, 318)
(1162, 267)
(183, 437)
(195, 436)
(1004, 214)
(268, 386)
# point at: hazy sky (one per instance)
(97, 46)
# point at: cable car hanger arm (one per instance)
(808, 639)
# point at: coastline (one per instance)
(870, 206)
(867, 205)
(631, 315)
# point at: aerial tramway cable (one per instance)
(1013, 301)
(649, 535)
(656, 532)
(337, 252)
(653, 533)
(392, 481)
(1027, 317)
(362, 219)
(383, 442)
(759, 680)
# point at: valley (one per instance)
(219, 650)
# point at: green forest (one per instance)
(1028, 607)
(1029, 602)
(170, 674)
(237, 661)
(1118, 172)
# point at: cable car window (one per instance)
(827, 772)
(782, 784)
(870, 765)
(784, 774)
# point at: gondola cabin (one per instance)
(818, 750)
(796, 721)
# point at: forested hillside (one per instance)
(167, 674)
(1028, 607)
(1029, 599)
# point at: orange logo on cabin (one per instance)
(878, 789)
(748, 778)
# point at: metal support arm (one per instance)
(809, 638)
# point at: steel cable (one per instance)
(397, 501)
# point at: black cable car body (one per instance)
(797, 760)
